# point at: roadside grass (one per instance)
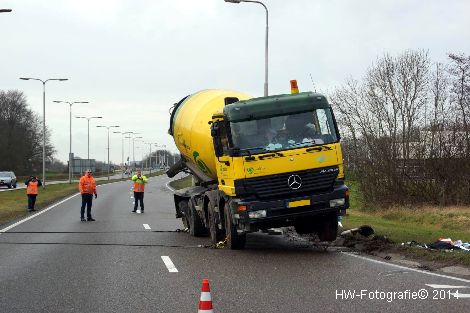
(13, 204)
(424, 224)
(181, 183)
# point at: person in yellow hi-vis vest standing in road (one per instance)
(139, 187)
(32, 185)
(87, 187)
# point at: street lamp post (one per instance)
(44, 122)
(163, 156)
(70, 140)
(141, 163)
(150, 155)
(133, 146)
(108, 127)
(122, 148)
(265, 43)
(88, 120)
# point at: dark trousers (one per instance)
(31, 201)
(87, 199)
(139, 196)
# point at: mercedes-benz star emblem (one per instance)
(294, 182)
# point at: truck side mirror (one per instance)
(215, 133)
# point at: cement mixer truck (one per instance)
(258, 163)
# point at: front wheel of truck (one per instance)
(217, 234)
(234, 240)
(196, 228)
(328, 228)
(184, 210)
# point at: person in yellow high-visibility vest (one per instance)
(32, 185)
(139, 187)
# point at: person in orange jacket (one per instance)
(87, 187)
(32, 185)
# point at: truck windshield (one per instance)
(284, 132)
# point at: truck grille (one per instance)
(276, 186)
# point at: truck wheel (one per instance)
(196, 228)
(214, 221)
(234, 240)
(9, 186)
(305, 226)
(328, 228)
(184, 210)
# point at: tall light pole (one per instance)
(133, 148)
(164, 155)
(44, 122)
(265, 43)
(150, 155)
(88, 120)
(122, 148)
(141, 159)
(108, 127)
(70, 141)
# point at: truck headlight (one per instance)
(337, 202)
(257, 214)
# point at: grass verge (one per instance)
(424, 224)
(181, 183)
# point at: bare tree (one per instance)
(406, 129)
(21, 135)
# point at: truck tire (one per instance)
(234, 240)
(214, 220)
(328, 228)
(184, 210)
(196, 228)
(306, 226)
(9, 186)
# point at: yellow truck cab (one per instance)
(259, 163)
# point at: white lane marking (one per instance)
(404, 267)
(169, 264)
(39, 213)
(146, 226)
(459, 295)
(446, 286)
(168, 186)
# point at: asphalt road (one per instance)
(55, 263)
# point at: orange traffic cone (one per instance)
(205, 303)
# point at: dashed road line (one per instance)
(146, 226)
(169, 264)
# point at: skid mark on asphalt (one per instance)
(169, 264)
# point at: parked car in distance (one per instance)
(8, 179)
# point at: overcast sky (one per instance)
(132, 59)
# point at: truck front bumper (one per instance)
(284, 212)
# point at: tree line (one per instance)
(21, 135)
(405, 127)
